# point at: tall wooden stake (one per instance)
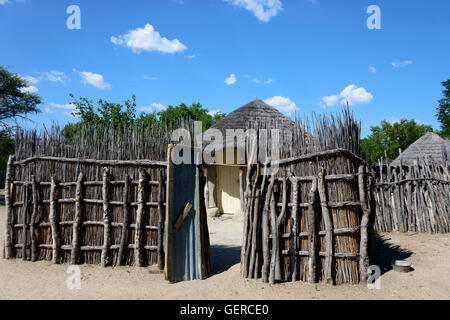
(138, 258)
(106, 219)
(312, 235)
(77, 220)
(363, 246)
(54, 220)
(328, 227)
(9, 188)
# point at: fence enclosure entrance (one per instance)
(187, 255)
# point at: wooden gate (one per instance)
(187, 239)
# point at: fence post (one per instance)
(25, 220)
(77, 220)
(138, 259)
(54, 220)
(328, 227)
(363, 246)
(106, 218)
(312, 235)
(168, 222)
(160, 223)
(9, 189)
(294, 231)
(34, 191)
(125, 222)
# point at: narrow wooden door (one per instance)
(187, 248)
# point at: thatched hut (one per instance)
(430, 146)
(226, 174)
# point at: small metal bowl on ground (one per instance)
(402, 266)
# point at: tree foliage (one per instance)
(443, 110)
(389, 138)
(124, 115)
(15, 103)
(15, 100)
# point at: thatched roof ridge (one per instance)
(255, 114)
(429, 146)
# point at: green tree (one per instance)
(443, 110)
(195, 112)
(124, 114)
(389, 138)
(15, 103)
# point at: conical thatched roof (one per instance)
(255, 114)
(429, 146)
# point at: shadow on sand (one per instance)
(385, 253)
(224, 257)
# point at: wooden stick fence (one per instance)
(73, 238)
(314, 227)
(412, 198)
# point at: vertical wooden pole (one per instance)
(312, 235)
(9, 189)
(77, 220)
(35, 199)
(168, 222)
(200, 243)
(160, 222)
(125, 222)
(54, 220)
(241, 188)
(106, 219)
(363, 246)
(328, 227)
(294, 231)
(252, 273)
(25, 221)
(265, 233)
(138, 258)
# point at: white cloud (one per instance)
(67, 106)
(401, 64)
(150, 78)
(54, 76)
(47, 109)
(3, 1)
(147, 39)
(153, 107)
(351, 94)
(29, 89)
(231, 79)
(212, 113)
(268, 81)
(94, 79)
(264, 10)
(31, 79)
(373, 69)
(192, 56)
(283, 104)
(256, 80)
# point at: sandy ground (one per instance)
(430, 255)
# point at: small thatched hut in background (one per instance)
(226, 179)
(430, 146)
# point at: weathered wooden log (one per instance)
(160, 223)
(33, 235)
(54, 220)
(312, 236)
(105, 163)
(168, 231)
(265, 233)
(25, 221)
(255, 237)
(328, 227)
(9, 190)
(363, 246)
(293, 235)
(275, 239)
(125, 223)
(106, 219)
(74, 256)
(139, 220)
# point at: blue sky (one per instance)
(298, 55)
